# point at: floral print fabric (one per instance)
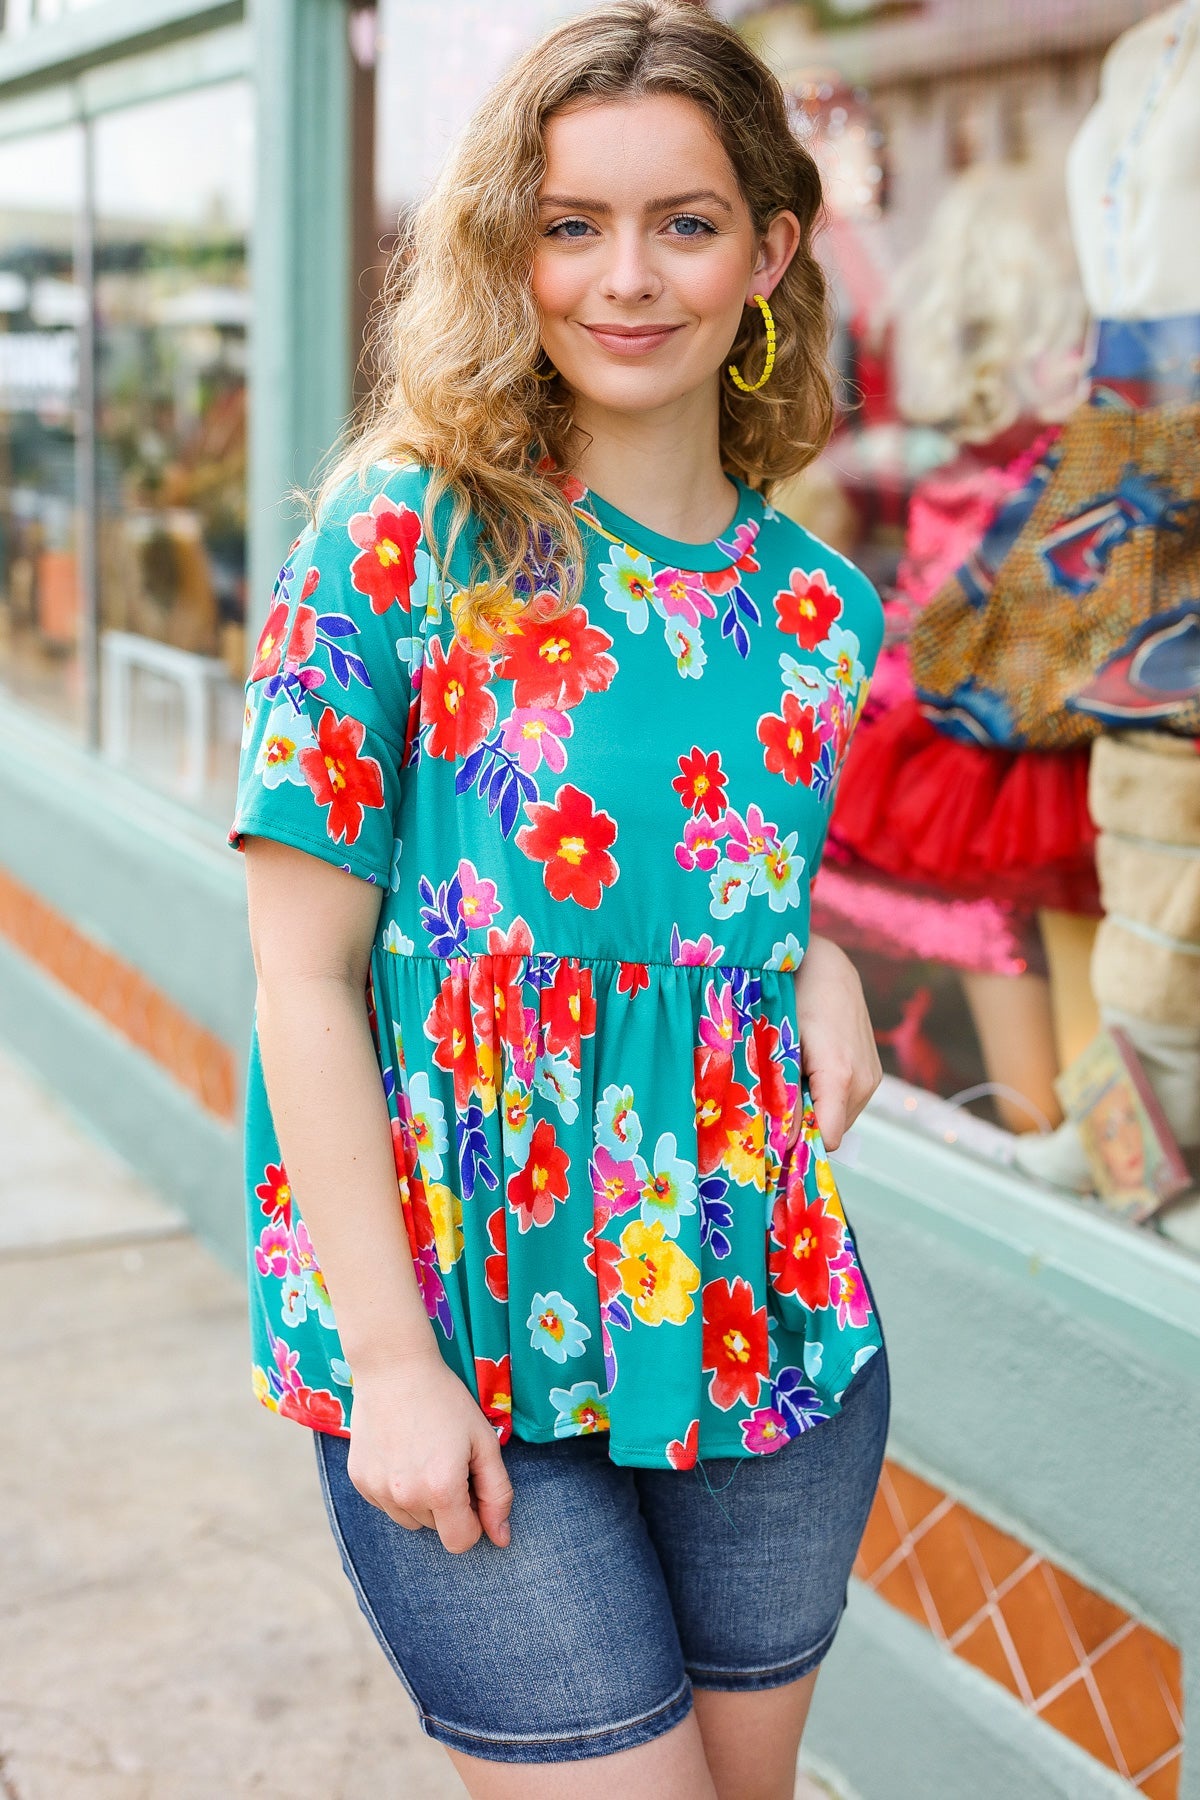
(594, 843)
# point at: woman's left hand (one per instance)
(837, 1045)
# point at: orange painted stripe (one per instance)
(195, 1057)
(1083, 1664)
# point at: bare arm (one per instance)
(837, 1044)
(420, 1447)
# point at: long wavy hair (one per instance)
(455, 342)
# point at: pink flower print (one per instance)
(534, 734)
(479, 904)
(764, 1431)
(304, 1257)
(716, 1025)
(616, 1186)
(699, 847)
(272, 1253)
(287, 1362)
(749, 837)
(698, 952)
(681, 595)
(720, 581)
(848, 1291)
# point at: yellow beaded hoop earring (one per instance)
(752, 387)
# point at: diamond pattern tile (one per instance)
(146, 1017)
(1075, 1658)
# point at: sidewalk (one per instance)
(174, 1621)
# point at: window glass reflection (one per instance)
(173, 196)
(41, 309)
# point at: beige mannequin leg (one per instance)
(1068, 940)
(1014, 1022)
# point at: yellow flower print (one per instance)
(445, 1209)
(262, 1390)
(657, 1276)
(485, 1081)
(744, 1156)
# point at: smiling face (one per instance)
(646, 252)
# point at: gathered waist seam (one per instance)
(573, 956)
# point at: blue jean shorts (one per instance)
(620, 1589)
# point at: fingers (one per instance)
(493, 1489)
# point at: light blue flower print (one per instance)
(618, 1127)
(397, 851)
(429, 1125)
(787, 954)
(668, 1187)
(396, 941)
(804, 679)
(628, 582)
(249, 717)
(581, 1409)
(555, 1327)
(300, 1295)
(285, 734)
(686, 644)
(730, 884)
(842, 647)
(411, 651)
(516, 1122)
(814, 1356)
(555, 1078)
(777, 874)
(340, 1370)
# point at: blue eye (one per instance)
(689, 226)
(569, 228)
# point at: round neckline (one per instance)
(675, 553)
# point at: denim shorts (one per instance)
(621, 1588)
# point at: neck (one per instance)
(663, 468)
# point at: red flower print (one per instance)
(304, 635)
(516, 941)
(569, 486)
(315, 1407)
(387, 536)
(601, 1261)
(495, 1267)
(533, 1190)
(770, 1088)
(792, 743)
(701, 783)
(735, 1342)
(449, 1025)
(275, 1192)
(555, 662)
(683, 1452)
(493, 1381)
(720, 1108)
(268, 652)
(571, 838)
(809, 1240)
(808, 606)
(339, 777)
(633, 978)
(312, 582)
(569, 1009)
(456, 701)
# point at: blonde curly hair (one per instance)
(455, 343)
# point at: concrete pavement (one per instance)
(174, 1621)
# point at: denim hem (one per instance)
(604, 1740)
(742, 1681)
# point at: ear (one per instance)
(776, 248)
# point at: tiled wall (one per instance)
(1080, 1663)
(194, 1056)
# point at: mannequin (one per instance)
(1133, 182)
(988, 324)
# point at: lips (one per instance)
(631, 340)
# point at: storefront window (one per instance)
(41, 312)
(173, 195)
(1015, 466)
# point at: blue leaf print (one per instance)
(358, 669)
(716, 1216)
(617, 1313)
(509, 807)
(337, 662)
(474, 1163)
(336, 625)
(440, 916)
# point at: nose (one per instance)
(629, 276)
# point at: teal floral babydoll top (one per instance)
(594, 842)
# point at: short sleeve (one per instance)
(333, 688)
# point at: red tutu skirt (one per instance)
(1008, 824)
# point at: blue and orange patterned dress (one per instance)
(593, 843)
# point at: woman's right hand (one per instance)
(423, 1452)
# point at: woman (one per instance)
(550, 678)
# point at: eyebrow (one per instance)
(573, 203)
